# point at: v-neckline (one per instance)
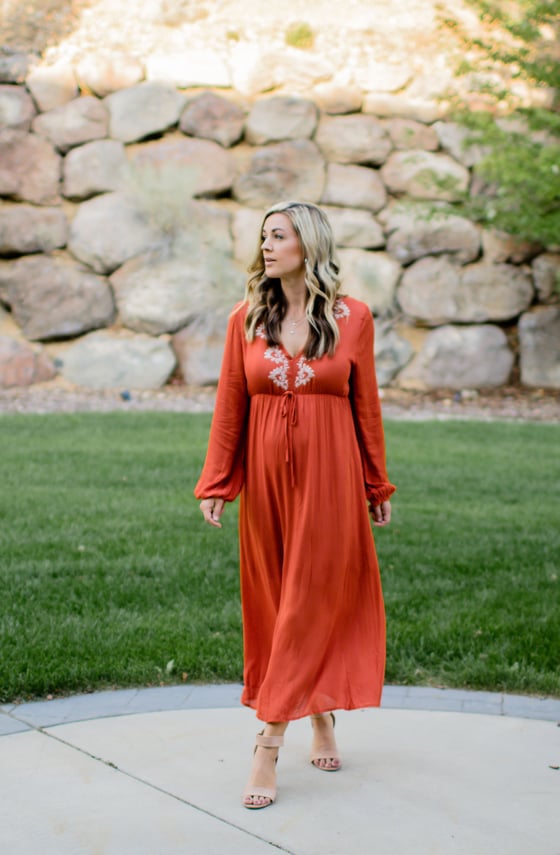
(289, 355)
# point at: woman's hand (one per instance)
(212, 510)
(381, 514)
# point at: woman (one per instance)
(297, 431)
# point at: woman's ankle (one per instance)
(275, 728)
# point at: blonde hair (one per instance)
(265, 300)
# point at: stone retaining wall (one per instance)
(131, 206)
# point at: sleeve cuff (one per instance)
(377, 495)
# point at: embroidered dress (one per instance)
(302, 442)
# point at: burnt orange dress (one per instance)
(302, 441)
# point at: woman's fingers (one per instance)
(381, 514)
(218, 510)
(212, 510)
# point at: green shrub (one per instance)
(300, 35)
(521, 173)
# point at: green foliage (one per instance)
(300, 35)
(542, 120)
(522, 178)
(448, 186)
(534, 26)
(110, 578)
(521, 172)
(527, 196)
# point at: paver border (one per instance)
(16, 718)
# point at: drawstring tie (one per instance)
(289, 413)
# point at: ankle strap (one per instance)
(269, 741)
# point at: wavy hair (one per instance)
(265, 300)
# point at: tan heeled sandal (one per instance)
(268, 793)
(325, 755)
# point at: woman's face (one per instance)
(281, 249)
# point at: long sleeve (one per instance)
(223, 472)
(367, 416)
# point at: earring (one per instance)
(305, 260)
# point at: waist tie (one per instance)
(289, 413)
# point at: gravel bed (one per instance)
(510, 404)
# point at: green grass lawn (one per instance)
(108, 576)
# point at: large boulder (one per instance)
(53, 297)
(382, 76)
(435, 291)
(539, 344)
(497, 292)
(337, 98)
(403, 106)
(425, 175)
(392, 353)
(105, 360)
(161, 291)
(246, 230)
(436, 83)
(96, 167)
(407, 134)
(207, 226)
(371, 277)
(79, 121)
(460, 142)
(110, 229)
(142, 110)
(499, 246)
(353, 139)
(472, 357)
(25, 229)
(281, 117)
(354, 187)
(15, 65)
(199, 348)
(429, 291)
(188, 68)
(353, 227)
(29, 168)
(415, 230)
(52, 85)
(108, 71)
(16, 108)
(250, 73)
(546, 275)
(286, 170)
(255, 69)
(22, 365)
(214, 118)
(211, 167)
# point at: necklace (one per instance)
(294, 325)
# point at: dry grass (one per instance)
(36, 25)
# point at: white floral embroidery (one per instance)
(260, 331)
(278, 375)
(305, 372)
(340, 309)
